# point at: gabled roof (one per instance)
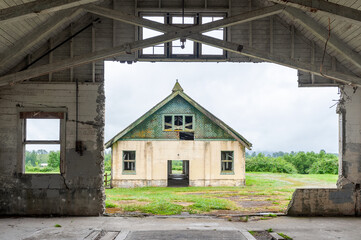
(178, 91)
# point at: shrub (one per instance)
(261, 163)
(324, 166)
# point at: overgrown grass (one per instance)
(274, 188)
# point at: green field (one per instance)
(264, 192)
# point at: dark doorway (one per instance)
(178, 173)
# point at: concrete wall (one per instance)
(204, 162)
(79, 190)
(325, 202)
(346, 199)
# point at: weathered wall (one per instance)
(204, 162)
(346, 199)
(79, 191)
(325, 202)
(152, 127)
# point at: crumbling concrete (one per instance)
(79, 189)
(346, 199)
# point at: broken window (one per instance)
(128, 161)
(226, 161)
(42, 135)
(188, 122)
(168, 123)
(186, 135)
(177, 122)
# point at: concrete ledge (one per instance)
(38, 202)
(325, 202)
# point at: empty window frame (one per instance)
(227, 162)
(128, 162)
(42, 142)
(178, 122)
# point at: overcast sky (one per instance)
(260, 101)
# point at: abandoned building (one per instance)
(52, 57)
(178, 129)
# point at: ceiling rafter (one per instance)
(322, 33)
(176, 33)
(35, 8)
(232, 47)
(347, 13)
(37, 35)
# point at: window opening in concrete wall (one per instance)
(42, 148)
(226, 161)
(128, 162)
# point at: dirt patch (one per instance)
(184, 204)
(131, 202)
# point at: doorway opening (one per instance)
(178, 173)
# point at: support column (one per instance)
(345, 200)
(349, 110)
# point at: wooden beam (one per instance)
(35, 8)
(226, 22)
(38, 34)
(278, 59)
(176, 33)
(87, 58)
(322, 33)
(347, 13)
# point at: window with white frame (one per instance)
(128, 162)
(183, 48)
(42, 141)
(227, 162)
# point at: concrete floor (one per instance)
(83, 227)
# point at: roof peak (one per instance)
(177, 87)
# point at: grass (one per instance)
(273, 189)
(284, 236)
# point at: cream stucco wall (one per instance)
(152, 157)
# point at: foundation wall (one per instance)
(79, 190)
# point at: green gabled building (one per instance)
(179, 134)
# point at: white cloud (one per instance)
(260, 101)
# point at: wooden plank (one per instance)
(37, 35)
(310, 25)
(347, 13)
(35, 8)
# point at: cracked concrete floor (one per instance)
(80, 227)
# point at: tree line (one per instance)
(280, 162)
(300, 162)
(35, 159)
